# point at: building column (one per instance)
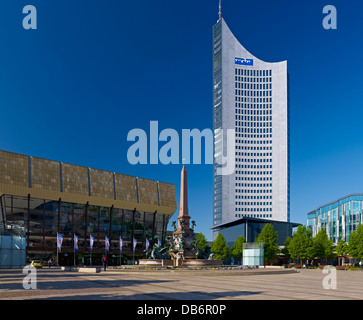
(343, 223)
(28, 223)
(59, 206)
(164, 228)
(153, 233)
(143, 228)
(246, 231)
(133, 227)
(85, 229)
(122, 222)
(110, 230)
(43, 244)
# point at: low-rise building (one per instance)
(339, 218)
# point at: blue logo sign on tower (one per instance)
(243, 62)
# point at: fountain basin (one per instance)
(156, 262)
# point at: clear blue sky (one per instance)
(93, 70)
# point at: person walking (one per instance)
(104, 260)
(361, 265)
(49, 263)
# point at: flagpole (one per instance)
(120, 244)
(107, 247)
(147, 247)
(75, 241)
(90, 239)
(74, 250)
(57, 251)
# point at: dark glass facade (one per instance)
(40, 220)
(250, 228)
(40, 198)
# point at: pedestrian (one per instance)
(104, 260)
(49, 263)
(361, 265)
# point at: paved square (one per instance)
(181, 285)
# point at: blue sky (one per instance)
(93, 70)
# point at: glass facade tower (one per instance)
(250, 96)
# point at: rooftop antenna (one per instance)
(220, 10)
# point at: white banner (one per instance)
(107, 244)
(91, 241)
(59, 241)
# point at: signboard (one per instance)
(243, 61)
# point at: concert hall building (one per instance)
(40, 198)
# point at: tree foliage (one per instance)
(322, 245)
(201, 241)
(341, 248)
(269, 238)
(220, 248)
(201, 244)
(285, 250)
(237, 248)
(301, 244)
(355, 245)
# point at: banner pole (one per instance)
(57, 251)
(120, 244)
(74, 249)
(91, 245)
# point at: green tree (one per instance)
(269, 238)
(237, 248)
(341, 250)
(201, 241)
(355, 245)
(301, 244)
(202, 247)
(322, 245)
(220, 248)
(285, 249)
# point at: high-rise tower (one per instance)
(250, 96)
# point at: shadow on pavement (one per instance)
(50, 280)
(193, 295)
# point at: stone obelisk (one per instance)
(184, 236)
(183, 217)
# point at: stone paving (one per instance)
(181, 285)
